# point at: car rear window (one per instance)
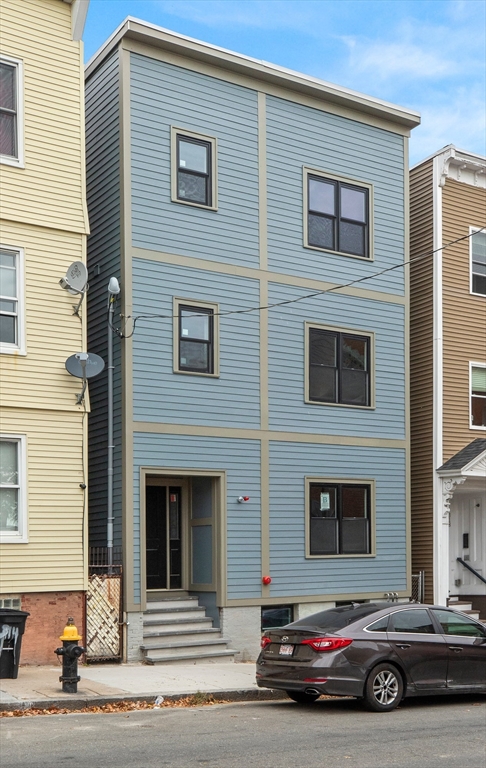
(335, 619)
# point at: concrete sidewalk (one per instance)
(39, 687)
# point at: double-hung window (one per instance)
(196, 338)
(478, 395)
(193, 169)
(338, 367)
(13, 525)
(11, 318)
(478, 262)
(339, 518)
(11, 140)
(338, 215)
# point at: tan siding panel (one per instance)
(464, 314)
(421, 370)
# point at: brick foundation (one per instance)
(48, 614)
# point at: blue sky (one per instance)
(429, 55)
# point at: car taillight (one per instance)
(264, 642)
(322, 644)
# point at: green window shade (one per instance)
(479, 381)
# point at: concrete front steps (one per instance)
(464, 606)
(177, 630)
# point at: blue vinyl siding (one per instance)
(291, 573)
(286, 364)
(241, 461)
(159, 394)
(163, 95)
(103, 193)
(298, 136)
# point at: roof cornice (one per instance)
(460, 165)
(150, 34)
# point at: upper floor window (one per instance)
(11, 139)
(478, 395)
(339, 518)
(13, 525)
(196, 338)
(193, 169)
(478, 262)
(11, 330)
(337, 215)
(339, 367)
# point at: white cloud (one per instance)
(387, 60)
(459, 118)
(262, 14)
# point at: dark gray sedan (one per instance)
(378, 652)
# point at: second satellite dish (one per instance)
(84, 365)
(76, 278)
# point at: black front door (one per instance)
(163, 537)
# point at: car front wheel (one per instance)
(302, 698)
(383, 689)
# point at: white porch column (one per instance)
(441, 565)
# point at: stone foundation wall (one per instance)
(134, 636)
(241, 627)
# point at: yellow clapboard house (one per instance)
(43, 230)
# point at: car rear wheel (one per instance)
(302, 698)
(383, 689)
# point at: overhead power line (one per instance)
(333, 289)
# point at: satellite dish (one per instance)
(84, 365)
(76, 278)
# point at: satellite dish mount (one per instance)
(84, 366)
(76, 282)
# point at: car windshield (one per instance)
(337, 618)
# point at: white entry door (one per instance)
(467, 540)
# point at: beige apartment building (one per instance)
(43, 230)
(448, 375)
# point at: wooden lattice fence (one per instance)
(104, 612)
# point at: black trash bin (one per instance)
(12, 625)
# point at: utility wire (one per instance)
(299, 298)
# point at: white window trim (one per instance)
(20, 536)
(20, 347)
(308, 171)
(174, 133)
(178, 302)
(472, 230)
(471, 366)
(17, 162)
(308, 324)
(347, 481)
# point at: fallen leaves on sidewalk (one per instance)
(196, 700)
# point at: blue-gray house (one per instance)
(256, 219)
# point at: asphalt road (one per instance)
(422, 733)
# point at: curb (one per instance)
(246, 694)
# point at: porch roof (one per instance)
(470, 460)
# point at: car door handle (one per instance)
(402, 645)
(456, 648)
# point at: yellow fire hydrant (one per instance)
(70, 653)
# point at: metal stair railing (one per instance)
(470, 568)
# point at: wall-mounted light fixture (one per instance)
(242, 499)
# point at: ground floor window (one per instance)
(12, 488)
(276, 616)
(339, 518)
